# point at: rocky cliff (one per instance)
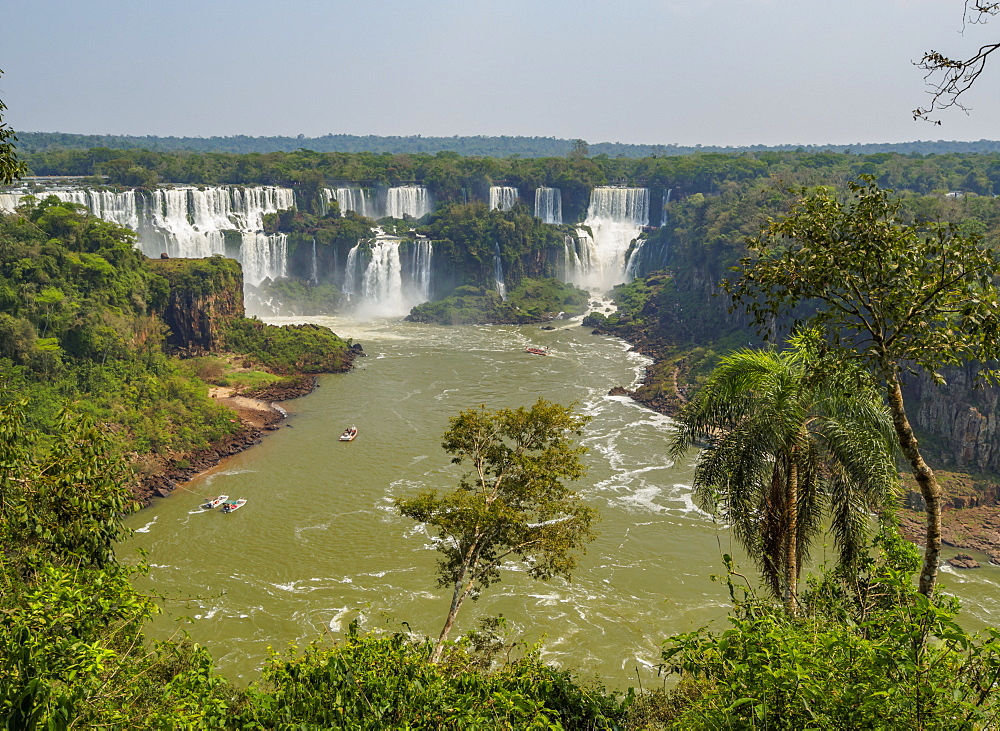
(203, 296)
(958, 421)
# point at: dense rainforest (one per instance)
(478, 145)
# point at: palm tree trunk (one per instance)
(929, 487)
(791, 536)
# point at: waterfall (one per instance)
(548, 205)
(360, 200)
(121, 208)
(573, 266)
(498, 272)
(502, 197)
(192, 223)
(421, 255)
(398, 202)
(350, 284)
(314, 276)
(189, 222)
(407, 200)
(615, 218)
(9, 201)
(263, 257)
(382, 282)
(376, 282)
(663, 208)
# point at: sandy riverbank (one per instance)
(257, 414)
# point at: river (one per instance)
(318, 544)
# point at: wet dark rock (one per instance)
(963, 561)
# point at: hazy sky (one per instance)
(714, 72)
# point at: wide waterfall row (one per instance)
(548, 205)
(412, 201)
(389, 277)
(615, 218)
(189, 222)
(502, 197)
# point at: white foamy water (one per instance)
(599, 259)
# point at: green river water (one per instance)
(318, 545)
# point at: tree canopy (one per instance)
(511, 503)
(784, 445)
(891, 295)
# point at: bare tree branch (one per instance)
(949, 78)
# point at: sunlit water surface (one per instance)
(318, 544)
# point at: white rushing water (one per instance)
(615, 218)
(360, 200)
(380, 281)
(548, 205)
(190, 222)
(408, 200)
(663, 208)
(413, 201)
(8, 201)
(498, 272)
(502, 197)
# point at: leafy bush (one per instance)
(372, 681)
(867, 652)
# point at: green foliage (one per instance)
(533, 300)
(71, 649)
(468, 236)
(512, 503)
(868, 651)
(199, 278)
(55, 502)
(891, 295)
(289, 348)
(786, 442)
(880, 288)
(10, 168)
(387, 681)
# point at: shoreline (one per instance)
(258, 414)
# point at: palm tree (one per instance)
(784, 443)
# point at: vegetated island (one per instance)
(89, 324)
(531, 301)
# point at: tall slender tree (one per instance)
(890, 295)
(786, 444)
(512, 504)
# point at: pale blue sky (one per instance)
(714, 72)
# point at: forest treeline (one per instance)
(475, 145)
